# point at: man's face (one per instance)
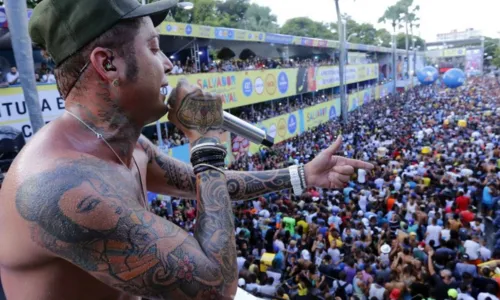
(13, 70)
(141, 98)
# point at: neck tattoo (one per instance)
(99, 136)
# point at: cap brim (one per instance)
(157, 11)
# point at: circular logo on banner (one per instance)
(169, 27)
(247, 87)
(272, 131)
(189, 29)
(292, 124)
(250, 36)
(333, 112)
(261, 36)
(270, 84)
(282, 82)
(281, 128)
(259, 85)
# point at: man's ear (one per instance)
(102, 61)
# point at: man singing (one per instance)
(73, 214)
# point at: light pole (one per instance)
(17, 14)
(482, 54)
(186, 6)
(342, 42)
(394, 64)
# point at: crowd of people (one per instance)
(253, 63)
(419, 226)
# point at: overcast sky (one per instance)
(437, 16)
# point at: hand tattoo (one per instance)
(201, 112)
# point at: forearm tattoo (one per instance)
(200, 111)
(247, 185)
(241, 185)
(88, 213)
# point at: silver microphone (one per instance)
(244, 129)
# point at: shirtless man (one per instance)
(73, 216)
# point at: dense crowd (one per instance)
(419, 226)
(254, 63)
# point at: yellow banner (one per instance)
(222, 33)
(281, 128)
(328, 77)
(321, 113)
(377, 92)
(454, 52)
(244, 87)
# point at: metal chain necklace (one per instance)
(99, 136)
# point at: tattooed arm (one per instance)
(169, 176)
(86, 212)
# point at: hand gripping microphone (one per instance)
(240, 127)
(244, 129)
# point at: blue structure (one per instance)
(427, 75)
(454, 78)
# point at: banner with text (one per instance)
(328, 77)
(321, 113)
(281, 128)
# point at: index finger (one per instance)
(359, 164)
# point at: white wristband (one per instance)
(295, 180)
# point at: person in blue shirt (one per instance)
(488, 199)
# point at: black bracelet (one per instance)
(209, 148)
(207, 159)
(204, 167)
(205, 153)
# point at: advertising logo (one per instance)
(281, 128)
(333, 112)
(169, 27)
(259, 85)
(272, 131)
(189, 29)
(247, 87)
(282, 82)
(292, 124)
(270, 84)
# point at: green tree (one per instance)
(401, 41)
(303, 26)
(383, 38)
(259, 18)
(234, 9)
(392, 14)
(496, 58)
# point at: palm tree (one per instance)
(413, 21)
(409, 16)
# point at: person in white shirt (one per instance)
(13, 76)
(240, 260)
(484, 253)
(361, 176)
(433, 233)
(377, 289)
(48, 77)
(477, 226)
(472, 248)
(334, 253)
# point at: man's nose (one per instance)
(167, 64)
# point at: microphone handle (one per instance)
(244, 129)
